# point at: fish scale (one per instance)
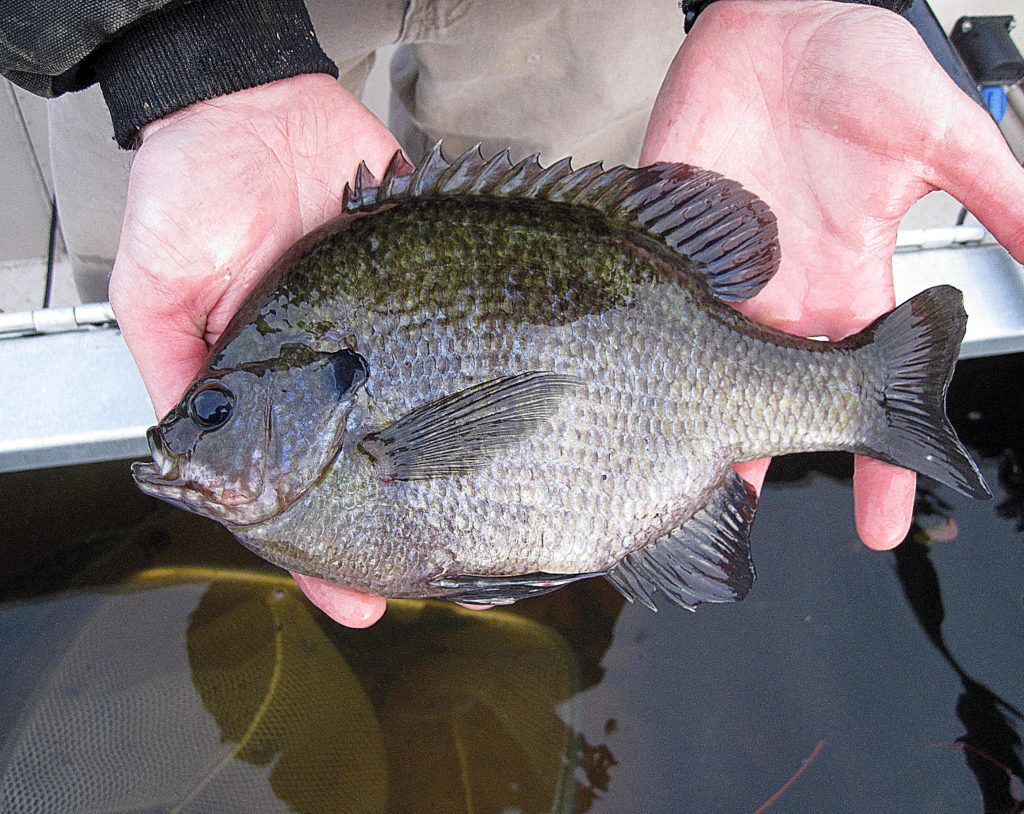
(511, 377)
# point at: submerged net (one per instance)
(194, 698)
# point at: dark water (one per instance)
(893, 679)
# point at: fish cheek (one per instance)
(230, 461)
(309, 406)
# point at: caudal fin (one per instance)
(917, 345)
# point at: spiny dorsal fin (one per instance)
(707, 559)
(461, 432)
(728, 234)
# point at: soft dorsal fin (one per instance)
(706, 559)
(727, 234)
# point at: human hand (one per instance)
(839, 118)
(218, 191)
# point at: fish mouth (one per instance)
(162, 478)
(162, 472)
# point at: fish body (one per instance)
(504, 378)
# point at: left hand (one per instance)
(839, 118)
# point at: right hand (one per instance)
(218, 191)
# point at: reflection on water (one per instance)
(225, 691)
(992, 426)
(147, 662)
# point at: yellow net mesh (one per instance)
(226, 691)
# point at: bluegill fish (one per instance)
(485, 380)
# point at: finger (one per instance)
(977, 168)
(344, 605)
(469, 606)
(753, 472)
(883, 499)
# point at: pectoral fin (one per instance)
(707, 559)
(459, 433)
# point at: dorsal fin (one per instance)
(728, 234)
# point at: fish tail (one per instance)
(917, 346)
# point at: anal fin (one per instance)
(502, 589)
(706, 559)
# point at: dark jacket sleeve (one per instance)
(44, 45)
(691, 8)
(152, 58)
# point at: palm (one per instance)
(840, 119)
(216, 196)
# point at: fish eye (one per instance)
(211, 406)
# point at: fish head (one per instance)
(242, 445)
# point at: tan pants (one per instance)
(560, 78)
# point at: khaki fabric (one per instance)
(572, 78)
(90, 181)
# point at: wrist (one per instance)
(282, 107)
(192, 52)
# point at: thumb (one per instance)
(977, 168)
(165, 339)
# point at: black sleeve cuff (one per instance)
(691, 8)
(194, 51)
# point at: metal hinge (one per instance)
(56, 320)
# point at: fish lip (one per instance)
(146, 472)
(162, 471)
